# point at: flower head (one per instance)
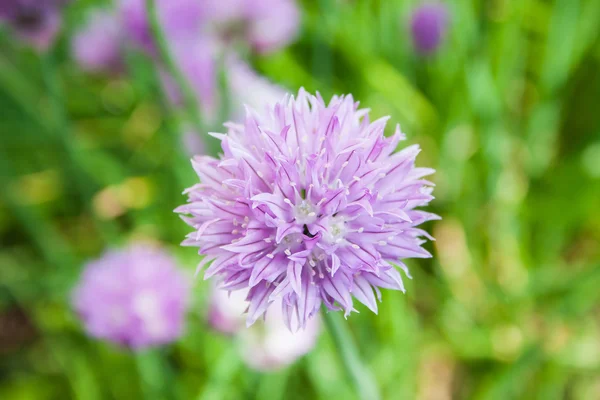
(135, 297)
(267, 345)
(428, 26)
(35, 21)
(97, 46)
(309, 204)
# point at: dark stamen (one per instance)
(306, 232)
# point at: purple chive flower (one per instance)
(135, 297)
(35, 21)
(97, 46)
(309, 204)
(267, 25)
(267, 345)
(429, 24)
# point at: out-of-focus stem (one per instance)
(21, 90)
(221, 376)
(149, 365)
(60, 123)
(189, 99)
(25, 95)
(62, 129)
(355, 370)
(43, 234)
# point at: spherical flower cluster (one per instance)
(429, 24)
(35, 21)
(309, 204)
(97, 46)
(268, 344)
(135, 297)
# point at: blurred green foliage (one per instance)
(507, 112)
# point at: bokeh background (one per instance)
(506, 110)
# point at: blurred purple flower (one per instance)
(34, 21)
(180, 20)
(97, 46)
(197, 62)
(267, 345)
(266, 24)
(194, 52)
(135, 22)
(244, 85)
(135, 297)
(197, 31)
(429, 24)
(249, 89)
(193, 143)
(308, 204)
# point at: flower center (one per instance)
(336, 230)
(305, 213)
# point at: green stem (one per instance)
(221, 376)
(355, 370)
(48, 240)
(22, 91)
(190, 103)
(149, 369)
(60, 124)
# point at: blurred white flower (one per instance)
(268, 344)
(247, 88)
